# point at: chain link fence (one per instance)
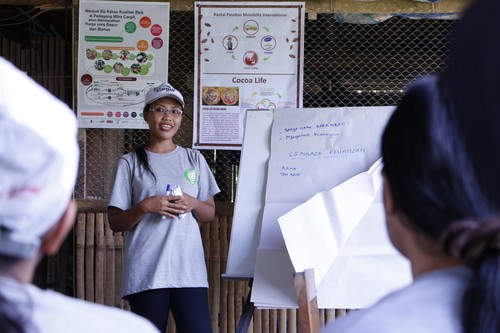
(345, 64)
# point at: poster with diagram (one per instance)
(122, 53)
(248, 55)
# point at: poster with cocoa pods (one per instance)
(248, 55)
(122, 53)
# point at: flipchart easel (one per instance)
(250, 197)
(308, 312)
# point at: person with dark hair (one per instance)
(164, 264)
(473, 75)
(39, 157)
(439, 218)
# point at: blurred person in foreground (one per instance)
(38, 165)
(439, 218)
(473, 75)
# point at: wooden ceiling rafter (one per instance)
(317, 6)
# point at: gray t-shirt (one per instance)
(47, 311)
(431, 304)
(162, 253)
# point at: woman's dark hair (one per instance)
(142, 157)
(474, 77)
(140, 152)
(434, 185)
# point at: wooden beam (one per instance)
(28, 2)
(318, 6)
(377, 6)
(396, 6)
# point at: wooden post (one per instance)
(291, 320)
(305, 288)
(226, 316)
(110, 287)
(118, 241)
(247, 311)
(99, 272)
(80, 256)
(215, 273)
(89, 257)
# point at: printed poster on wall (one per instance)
(122, 53)
(248, 55)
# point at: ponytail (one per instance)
(481, 302)
(140, 152)
(477, 242)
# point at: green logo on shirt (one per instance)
(191, 176)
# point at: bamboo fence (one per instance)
(43, 61)
(98, 262)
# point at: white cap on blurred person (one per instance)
(163, 90)
(38, 161)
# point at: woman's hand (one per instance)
(188, 202)
(168, 205)
(174, 205)
(203, 211)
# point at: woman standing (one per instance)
(163, 260)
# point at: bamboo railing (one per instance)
(98, 267)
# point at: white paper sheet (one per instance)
(312, 150)
(275, 289)
(250, 195)
(316, 231)
(354, 262)
(367, 267)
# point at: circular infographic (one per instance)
(135, 68)
(86, 79)
(211, 95)
(99, 64)
(145, 22)
(141, 57)
(107, 54)
(118, 67)
(157, 43)
(156, 30)
(251, 27)
(124, 54)
(268, 43)
(250, 58)
(91, 54)
(230, 42)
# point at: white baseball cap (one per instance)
(163, 90)
(38, 161)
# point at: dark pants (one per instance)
(189, 308)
